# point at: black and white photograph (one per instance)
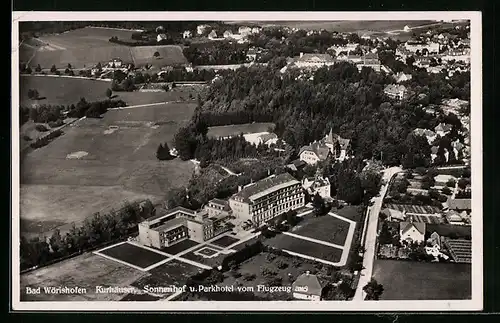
(247, 161)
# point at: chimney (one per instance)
(301, 54)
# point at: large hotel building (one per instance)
(267, 198)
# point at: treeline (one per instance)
(176, 74)
(95, 231)
(216, 53)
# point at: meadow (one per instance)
(236, 129)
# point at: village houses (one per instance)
(396, 91)
(317, 185)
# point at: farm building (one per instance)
(411, 231)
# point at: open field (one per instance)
(66, 91)
(308, 248)
(326, 228)
(180, 247)
(85, 271)
(169, 55)
(133, 254)
(120, 164)
(410, 280)
(61, 90)
(86, 37)
(234, 130)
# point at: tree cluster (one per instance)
(92, 109)
(216, 53)
(45, 140)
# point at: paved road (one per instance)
(371, 234)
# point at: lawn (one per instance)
(224, 241)
(212, 262)
(86, 37)
(180, 247)
(233, 130)
(207, 251)
(171, 273)
(119, 165)
(353, 213)
(85, 271)
(326, 228)
(308, 248)
(409, 280)
(169, 55)
(134, 255)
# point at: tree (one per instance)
(69, 66)
(33, 94)
(371, 182)
(28, 70)
(446, 190)
(38, 68)
(109, 93)
(373, 290)
(53, 69)
(57, 244)
(156, 54)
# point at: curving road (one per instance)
(371, 233)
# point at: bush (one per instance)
(249, 277)
(55, 124)
(446, 190)
(41, 128)
(281, 264)
(442, 198)
(27, 138)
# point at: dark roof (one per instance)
(313, 283)
(405, 226)
(266, 185)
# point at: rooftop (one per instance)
(265, 186)
(405, 226)
(460, 204)
(171, 224)
(321, 150)
(314, 58)
(313, 283)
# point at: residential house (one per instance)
(338, 146)
(317, 185)
(411, 231)
(161, 37)
(435, 69)
(256, 30)
(403, 52)
(267, 139)
(313, 60)
(345, 48)
(369, 60)
(296, 165)
(434, 239)
(453, 217)
(443, 129)
(115, 63)
(406, 29)
(456, 55)
(402, 77)
(393, 214)
(244, 30)
(308, 287)
(227, 34)
(396, 91)
(187, 34)
(428, 134)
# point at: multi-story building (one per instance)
(313, 60)
(264, 200)
(179, 224)
(331, 144)
(398, 92)
(317, 185)
(420, 46)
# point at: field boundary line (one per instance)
(159, 263)
(191, 262)
(312, 258)
(150, 249)
(329, 244)
(341, 218)
(69, 77)
(119, 261)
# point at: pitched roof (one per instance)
(321, 150)
(267, 136)
(443, 127)
(218, 201)
(395, 88)
(405, 226)
(312, 282)
(265, 186)
(460, 204)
